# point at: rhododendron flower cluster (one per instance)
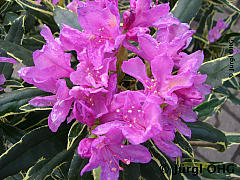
(214, 34)
(119, 121)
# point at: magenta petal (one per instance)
(84, 147)
(107, 173)
(47, 34)
(43, 101)
(73, 39)
(134, 153)
(168, 147)
(162, 67)
(2, 79)
(187, 114)
(151, 16)
(136, 68)
(9, 60)
(134, 136)
(40, 78)
(104, 128)
(100, 107)
(142, 5)
(106, 21)
(93, 163)
(59, 113)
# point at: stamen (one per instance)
(114, 169)
(127, 161)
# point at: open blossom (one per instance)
(214, 34)
(9, 60)
(106, 151)
(51, 64)
(131, 112)
(141, 16)
(163, 84)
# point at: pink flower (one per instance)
(130, 112)
(106, 152)
(141, 16)
(162, 86)
(51, 64)
(105, 29)
(61, 103)
(214, 34)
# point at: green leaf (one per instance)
(47, 167)
(232, 83)
(33, 43)
(186, 10)
(29, 108)
(66, 17)
(16, 32)
(5, 6)
(130, 172)
(221, 69)
(232, 138)
(40, 12)
(183, 144)
(76, 166)
(11, 133)
(17, 52)
(208, 108)
(11, 101)
(78, 130)
(231, 5)
(10, 18)
(40, 142)
(206, 132)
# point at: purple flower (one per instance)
(131, 112)
(104, 30)
(92, 72)
(89, 104)
(61, 103)
(141, 16)
(214, 34)
(106, 152)
(51, 64)
(84, 148)
(172, 37)
(162, 86)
